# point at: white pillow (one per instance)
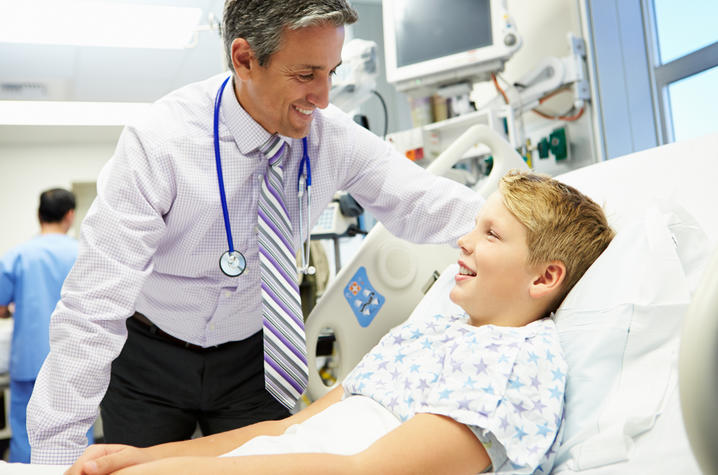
(619, 329)
(436, 300)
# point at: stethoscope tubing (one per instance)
(305, 162)
(218, 161)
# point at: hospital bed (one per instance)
(620, 325)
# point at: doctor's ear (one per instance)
(549, 279)
(242, 55)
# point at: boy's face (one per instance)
(283, 94)
(493, 279)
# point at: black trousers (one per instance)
(159, 390)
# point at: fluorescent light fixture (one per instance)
(69, 113)
(97, 23)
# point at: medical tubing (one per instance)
(300, 192)
(305, 158)
(307, 245)
(386, 112)
(218, 161)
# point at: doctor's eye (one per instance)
(305, 77)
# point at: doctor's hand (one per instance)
(102, 459)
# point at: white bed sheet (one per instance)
(327, 432)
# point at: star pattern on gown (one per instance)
(502, 381)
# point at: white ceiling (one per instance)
(72, 73)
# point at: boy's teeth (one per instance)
(465, 271)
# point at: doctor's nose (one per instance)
(319, 96)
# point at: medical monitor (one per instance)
(430, 43)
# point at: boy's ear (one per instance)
(242, 55)
(548, 280)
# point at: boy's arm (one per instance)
(103, 459)
(5, 312)
(427, 443)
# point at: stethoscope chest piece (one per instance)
(232, 263)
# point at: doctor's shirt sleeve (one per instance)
(87, 330)
(412, 203)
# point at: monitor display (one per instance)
(430, 43)
(422, 34)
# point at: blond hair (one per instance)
(562, 223)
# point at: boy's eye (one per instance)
(491, 233)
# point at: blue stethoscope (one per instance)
(232, 262)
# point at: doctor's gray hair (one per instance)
(261, 22)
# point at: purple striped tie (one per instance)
(285, 350)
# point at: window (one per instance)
(692, 112)
(685, 59)
(654, 67)
(684, 27)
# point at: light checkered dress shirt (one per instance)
(152, 239)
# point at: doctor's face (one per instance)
(283, 94)
(494, 277)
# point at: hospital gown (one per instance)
(505, 383)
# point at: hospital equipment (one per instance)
(678, 176)
(356, 77)
(468, 41)
(232, 262)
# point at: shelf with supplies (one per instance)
(423, 144)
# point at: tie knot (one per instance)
(273, 149)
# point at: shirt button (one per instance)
(211, 326)
(227, 293)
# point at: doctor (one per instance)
(180, 309)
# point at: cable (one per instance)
(498, 88)
(567, 118)
(386, 112)
(553, 93)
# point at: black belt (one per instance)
(155, 330)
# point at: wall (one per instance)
(33, 159)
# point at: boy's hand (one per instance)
(102, 459)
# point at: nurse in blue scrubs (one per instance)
(31, 276)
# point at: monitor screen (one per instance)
(432, 43)
(422, 34)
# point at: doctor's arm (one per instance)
(5, 311)
(411, 203)
(87, 328)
